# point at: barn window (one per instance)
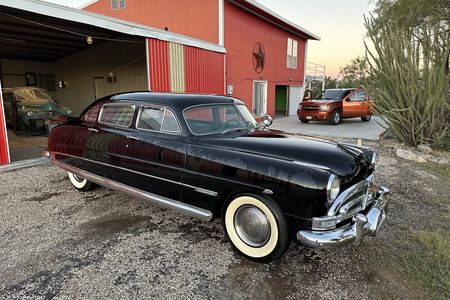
(292, 50)
(114, 4)
(122, 4)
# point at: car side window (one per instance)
(150, 118)
(170, 123)
(91, 115)
(117, 114)
(160, 119)
(358, 96)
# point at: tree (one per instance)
(331, 83)
(409, 67)
(354, 74)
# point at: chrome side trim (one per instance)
(305, 164)
(156, 199)
(206, 192)
(198, 189)
(268, 192)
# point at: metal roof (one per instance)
(43, 31)
(270, 16)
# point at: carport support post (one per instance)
(4, 147)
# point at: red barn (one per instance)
(265, 53)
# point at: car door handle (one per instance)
(92, 129)
(133, 138)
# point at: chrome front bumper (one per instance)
(353, 233)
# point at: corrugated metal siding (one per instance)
(204, 71)
(176, 62)
(159, 65)
(125, 60)
(13, 71)
(240, 43)
(195, 18)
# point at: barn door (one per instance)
(259, 98)
(295, 96)
(4, 147)
(100, 87)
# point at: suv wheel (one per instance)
(256, 227)
(366, 118)
(335, 117)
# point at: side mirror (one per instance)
(267, 120)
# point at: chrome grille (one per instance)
(353, 200)
(310, 108)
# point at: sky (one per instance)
(339, 24)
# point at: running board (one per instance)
(156, 199)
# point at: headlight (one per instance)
(324, 108)
(333, 188)
(30, 113)
(69, 111)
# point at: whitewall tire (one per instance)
(81, 184)
(256, 227)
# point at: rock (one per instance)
(424, 148)
(405, 154)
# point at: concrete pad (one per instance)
(26, 163)
(23, 147)
(348, 128)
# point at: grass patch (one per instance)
(440, 170)
(426, 259)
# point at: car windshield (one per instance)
(33, 94)
(332, 95)
(219, 119)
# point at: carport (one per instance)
(79, 56)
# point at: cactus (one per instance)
(408, 70)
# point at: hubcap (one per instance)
(252, 226)
(336, 117)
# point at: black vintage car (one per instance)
(206, 156)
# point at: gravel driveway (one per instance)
(59, 243)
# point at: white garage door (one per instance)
(295, 96)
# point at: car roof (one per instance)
(180, 101)
(22, 88)
(343, 89)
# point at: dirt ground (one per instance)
(58, 243)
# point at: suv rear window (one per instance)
(117, 114)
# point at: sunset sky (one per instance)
(339, 23)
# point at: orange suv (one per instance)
(334, 104)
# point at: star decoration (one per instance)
(258, 57)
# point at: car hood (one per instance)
(318, 102)
(303, 150)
